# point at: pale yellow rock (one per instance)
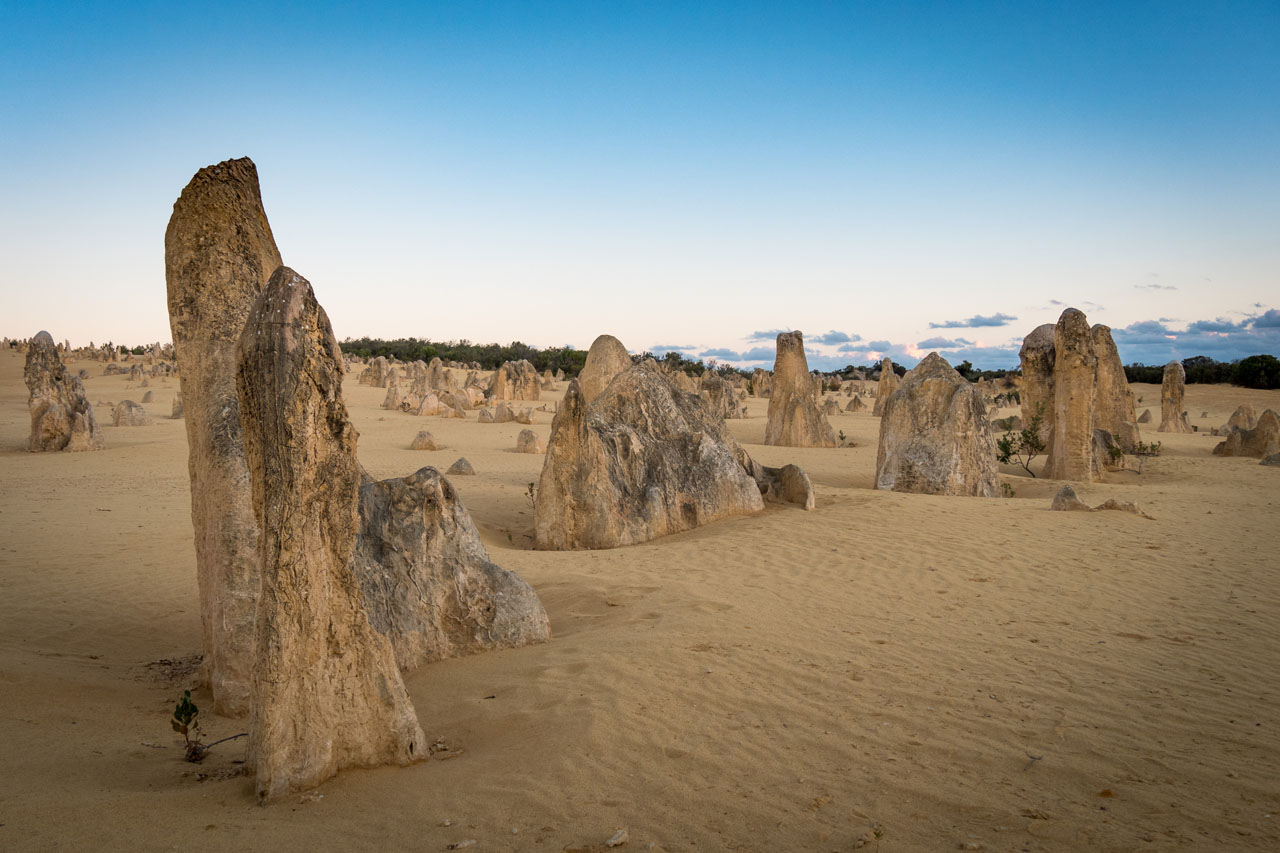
(606, 358)
(219, 252)
(326, 690)
(794, 419)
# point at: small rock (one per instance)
(458, 845)
(461, 467)
(618, 839)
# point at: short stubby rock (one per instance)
(643, 460)
(934, 436)
(423, 441)
(428, 583)
(528, 442)
(130, 414)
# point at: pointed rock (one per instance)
(794, 419)
(1172, 388)
(934, 436)
(218, 254)
(326, 690)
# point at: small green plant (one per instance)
(1144, 451)
(842, 436)
(1024, 445)
(186, 723)
(1116, 452)
(1007, 490)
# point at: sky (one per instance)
(889, 178)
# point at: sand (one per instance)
(890, 671)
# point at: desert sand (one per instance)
(888, 672)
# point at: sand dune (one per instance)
(890, 671)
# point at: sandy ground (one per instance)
(890, 672)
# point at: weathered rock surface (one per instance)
(515, 380)
(461, 468)
(528, 442)
(1273, 460)
(326, 690)
(1113, 408)
(1262, 440)
(427, 580)
(761, 382)
(889, 382)
(1037, 359)
(176, 411)
(643, 460)
(605, 360)
(219, 252)
(61, 416)
(130, 414)
(720, 396)
(423, 441)
(794, 419)
(1067, 501)
(1070, 455)
(788, 484)
(934, 436)
(1145, 417)
(1172, 387)
(1244, 417)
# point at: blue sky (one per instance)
(890, 180)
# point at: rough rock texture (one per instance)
(61, 417)
(428, 583)
(889, 382)
(1037, 357)
(528, 442)
(1272, 460)
(130, 414)
(788, 484)
(1067, 501)
(326, 690)
(1172, 387)
(1262, 440)
(1113, 408)
(1107, 452)
(1244, 417)
(515, 380)
(794, 419)
(761, 382)
(176, 412)
(721, 397)
(642, 461)
(1070, 455)
(219, 253)
(461, 468)
(1145, 417)
(605, 360)
(934, 436)
(423, 441)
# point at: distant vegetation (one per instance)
(1256, 371)
(490, 356)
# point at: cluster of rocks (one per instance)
(642, 459)
(1073, 380)
(316, 583)
(1249, 434)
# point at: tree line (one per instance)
(1256, 371)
